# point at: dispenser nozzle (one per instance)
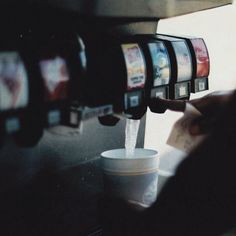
(108, 120)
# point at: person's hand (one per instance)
(209, 106)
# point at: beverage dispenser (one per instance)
(14, 89)
(53, 188)
(61, 65)
(158, 66)
(182, 67)
(200, 60)
(170, 69)
(20, 93)
(42, 84)
(136, 79)
(116, 79)
(159, 70)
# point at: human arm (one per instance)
(209, 106)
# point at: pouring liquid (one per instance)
(131, 133)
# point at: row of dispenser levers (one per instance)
(62, 81)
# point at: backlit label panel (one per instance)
(135, 65)
(161, 63)
(56, 78)
(202, 58)
(14, 87)
(184, 61)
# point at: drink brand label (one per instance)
(56, 78)
(184, 61)
(14, 87)
(202, 57)
(135, 65)
(161, 63)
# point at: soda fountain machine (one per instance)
(65, 64)
(200, 60)
(20, 95)
(123, 70)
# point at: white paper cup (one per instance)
(132, 179)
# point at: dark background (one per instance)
(53, 188)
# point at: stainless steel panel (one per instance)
(135, 8)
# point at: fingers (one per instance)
(201, 125)
(196, 128)
(206, 105)
(159, 105)
(212, 103)
(175, 105)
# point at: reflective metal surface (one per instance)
(123, 8)
(133, 8)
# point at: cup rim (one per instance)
(152, 154)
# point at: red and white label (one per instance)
(202, 57)
(56, 78)
(14, 87)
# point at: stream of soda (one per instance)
(131, 133)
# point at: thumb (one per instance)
(160, 105)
